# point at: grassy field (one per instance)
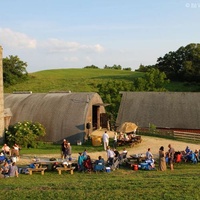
(75, 80)
(182, 183)
(83, 80)
(124, 183)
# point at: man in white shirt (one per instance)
(105, 138)
(110, 155)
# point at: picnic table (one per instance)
(37, 168)
(131, 142)
(65, 168)
(135, 159)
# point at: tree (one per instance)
(117, 67)
(153, 80)
(143, 68)
(25, 134)
(14, 70)
(91, 67)
(183, 64)
(109, 92)
(127, 68)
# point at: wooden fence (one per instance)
(171, 133)
(186, 135)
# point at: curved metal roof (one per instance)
(62, 114)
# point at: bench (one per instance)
(65, 168)
(38, 169)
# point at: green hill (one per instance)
(82, 80)
(75, 80)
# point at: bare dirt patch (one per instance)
(147, 142)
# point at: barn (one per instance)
(174, 110)
(64, 114)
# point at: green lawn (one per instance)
(182, 183)
(124, 183)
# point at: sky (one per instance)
(57, 34)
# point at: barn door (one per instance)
(104, 120)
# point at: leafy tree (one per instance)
(117, 67)
(109, 92)
(127, 69)
(14, 70)
(183, 64)
(91, 67)
(25, 133)
(153, 80)
(143, 68)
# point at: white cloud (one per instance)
(99, 48)
(16, 40)
(88, 59)
(56, 45)
(71, 59)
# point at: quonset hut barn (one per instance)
(64, 115)
(165, 110)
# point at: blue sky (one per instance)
(54, 34)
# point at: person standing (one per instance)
(110, 156)
(69, 151)
(63, 148)
(171, 156)
(162, 161)
(115, 140)
(105, 140)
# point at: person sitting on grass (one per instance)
(13, 171)
(5, 169)
(99, 164)
(6, 149)
(81, 159)
(87, 163)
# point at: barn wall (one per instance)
(163, 109)
(63, 114)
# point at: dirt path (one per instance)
(147, 142)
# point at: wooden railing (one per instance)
(186, 135)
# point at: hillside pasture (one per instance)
(75, 80)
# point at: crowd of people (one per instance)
(9, 157)
(85, 163)
(171, 156)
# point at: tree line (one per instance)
(181, 65)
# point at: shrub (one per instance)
(25, 134)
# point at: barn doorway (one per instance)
(99, 119)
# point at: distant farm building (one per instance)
(165, 110)
(64, 115)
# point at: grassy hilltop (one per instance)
(82, 80)
(75, 80)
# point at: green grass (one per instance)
(49, 148)
(83, 80)
(76, 80)
(183, 87)
(182, 183)
(124, 183)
